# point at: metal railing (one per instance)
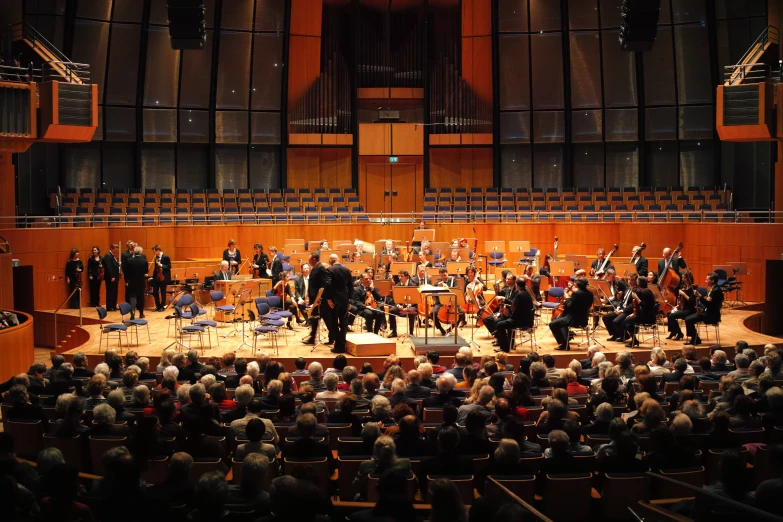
(769, 34)
(748, 72)
(62, 66)
(77, 289)
(46, 73)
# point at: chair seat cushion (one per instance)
(212, 324)
(273, 317)
(115, 327)
(193, 328)
(274, 322)
(282, 313)
(550, 305)
(225, 308)
(266, 329)
(136, 322)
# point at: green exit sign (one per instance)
(393, 159)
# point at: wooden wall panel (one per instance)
(7, 185)
(17, 349)
(305, 62)
(461, 167)
(374, 139)
(477, 65)
(319, 167)
(6, 282)
(476, 18)
(407, 139)
(306, 17)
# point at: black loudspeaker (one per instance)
(639, 24)
(187, 28)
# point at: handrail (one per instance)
(79, 289)
(72, 69)
(763, 38)
(533, 511)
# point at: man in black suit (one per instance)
(415, 390)
(712, 303)
(614, 320)
(320, 277)
(22, 408)
(505, 295)
(374, 318)
(576, 309)
(600, 265)
(240, 367)
(224, 274)
(80, 370)
(338, 294)
(126, 255)
(521, 317)
(676, 262)
(398, 396)
(447, 282)
(301, 289)
(135, 270)
(111, 274)
(645, 299)
(639, 260)
(306, 447)
(162, 263)
(421, 277)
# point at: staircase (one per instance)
(752, 64)
(62, 67)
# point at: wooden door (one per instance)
(376, 187)
(406, 180)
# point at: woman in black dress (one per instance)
(95, 274)
(232, 255)
(73, 277)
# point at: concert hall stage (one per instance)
(85, 339)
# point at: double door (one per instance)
(392, 188)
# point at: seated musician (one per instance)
(577, 308)
(474, 290)
(364, 299)
(449, 282)
(425, 252)
(285, 291)
(422, 278)
(224, 274)
(600, 265)
(652, 278)
(302, 287)
(646, 308)
(505, 297)
(390, 250)
(711, 302)
(623, 307)
(382, 273)
(535, 282)
(686, 306)
(411, 310)
(455, 255)
(521, 316)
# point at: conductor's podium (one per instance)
(240, 293)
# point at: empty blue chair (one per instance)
(109, 329)
(126, 309)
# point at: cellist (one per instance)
(677, 263)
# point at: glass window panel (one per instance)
(270, 15)
(697, 163)
(684, 11)
(265, 128)
(160, 125)
(157, 166)
(123, 64)
(733, 40)
(544, 16)
(192, 161)
(697, 122)
(196, 74)
(233, 70)
(514, 72)
(548, 165)
(582, 14)
(264, 167)
(95, 9)
(619, 73)
(119, 160)
(610, 14)
(120, 124)
(746, 167)
(237, 14)
(757, 7)
(267, 71)
(588, 165)
(193, 126)
(662, 164)
(516, 169)
(622, 165)
(45, 7)
(82, 165)
(91, 45)
(694, 82)
(585, 70)
(665, 16)
(230, 167)
(159, 13)
(661, 123)
(512, 16)
(231, 127)
(622, 125)
(547, 71)
(128, 10)
(659, 71)
(587, 126)
(549, 127)
(162, 79)
(515, 127)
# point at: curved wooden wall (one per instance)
(16, 347)
(706, 244)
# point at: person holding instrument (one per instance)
(577, 308)
(639, 260)
(503, 296)
(364, 298)
(95, 274)
(447, 282)
(614, 321)
(260, 262)
(318, 278)
(284, 290)
(136, 277)
(161, 275)
(232, 255)
(127, 254)
(644, 311)
(532, 280)
(338, 293)
(686, 306)
(600, 265)
(411, 309)
(711, 302)
(301, 287)
(677, 263)
(111, 273)
(73, 277)
(521, 317)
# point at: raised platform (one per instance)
(442, 345)
(369, 344)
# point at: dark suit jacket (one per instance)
(27, 411)
(82, 373)
(359, 296)
(112, 430)
(674, 376)
(189, 373)
(415, 391)
(401, 398)
(111, 268)
(124, 257)
(677, 264)
(320, 277)
(713, 307)
(341, 285)
(166, 262)
(173, 491)
(232, 381)
(577, 310)
(437, 401)
(299, 286)
(641, 266)
(597, 263)
(223, 276)
(522, 313)
(135, 270)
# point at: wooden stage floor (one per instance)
(732, 329)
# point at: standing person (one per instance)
(73, 277)
(277, 265)
(111, 274)
(260, 261)
(320, 278)
(162, 265)
(712, 303)
(576, 309)
(136, 278)
(337, 296)
(639, 260)
(95, 275)
(126, 254)
(232, 255)
(675, 263)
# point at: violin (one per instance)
(292, 295)
(369, 300)
(159, 269)
(101, 273)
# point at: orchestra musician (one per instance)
(474, 288)
(111, 274)
(162, 263)
(232, 255)
(94, 274)
(446, 281)
(505, 296)
(521, 317)
(677, 263)
(382, 273)
(301, 287)
(260, 260)
(319, 277)
(614, 321)
(224, 274)
(136, 276)
(535, 282)
(644, 314)
(127, 254)
(363, 299)
(600, 265)
(412, 310)
(73, 277)
(652, 278)
(390, 250)
(712, 304)
(282, 288)
(639, 260)
(577, 308)
(545, 269)
(337, 298)
(422, 278)
(277, 264)
(455, 255)
(323, 245)
(686, 306)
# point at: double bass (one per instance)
(669, 282)
(605, 263)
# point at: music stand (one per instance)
(421, 234)
(626, 269)
(656, 292)
(406, 296)
(597, 304)
(561, 268)
(427, 291)
(457, 267)
(739, 268)
(580, 262)
(244, 295)
(357, 269)
(433, 273)
(396, 266)
(458, 300)
(234, 291)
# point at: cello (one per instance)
(669, 282)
